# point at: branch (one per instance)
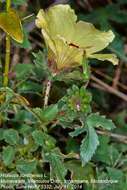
(47, 91)
(109, 88)
(120, 138)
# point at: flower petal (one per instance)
(66, 56)
(58, 25)
(58, 20)
(108, 57)
(67, 40)
(91, 39)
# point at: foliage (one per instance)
(51, 121)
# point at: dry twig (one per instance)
(109, 88)
(121, 138)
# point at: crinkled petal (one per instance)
(67, 40)
(106, 57)
(58, 20)
(91, 39)
(66, 56)
(41, 21)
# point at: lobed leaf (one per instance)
(57, 166)
(77, 131)
(96, 120)
(89, 145)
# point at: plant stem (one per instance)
(8, 4)
(119, 137)
(8, 47)
(7, 61)
(47, 91)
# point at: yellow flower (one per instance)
(68, 40)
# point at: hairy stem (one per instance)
(47, 91)
(7, 56)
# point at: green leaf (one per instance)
(96, 120)
(24, 129)
(26, 43)
(69, 77)
(23, 70)
(43, 139)
(57, 166)
(38, 136)
(25, 166)
(78, 171)
(89, 145)
(11, 136)
(102, 153)
(8, 155)
(30, 87)
(24, 116)
(115, 174)
(19, 2)
(77, 131)
(48, 114)
(41, 67)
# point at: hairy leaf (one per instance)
(57, 166)
(96, 120)
(78, 171)
(77, 131)
(48, 114)
(8, 155)
(43, 139)
(89, 145)
(26, 166)
(11, 136)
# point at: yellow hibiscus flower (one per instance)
(68, 40)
